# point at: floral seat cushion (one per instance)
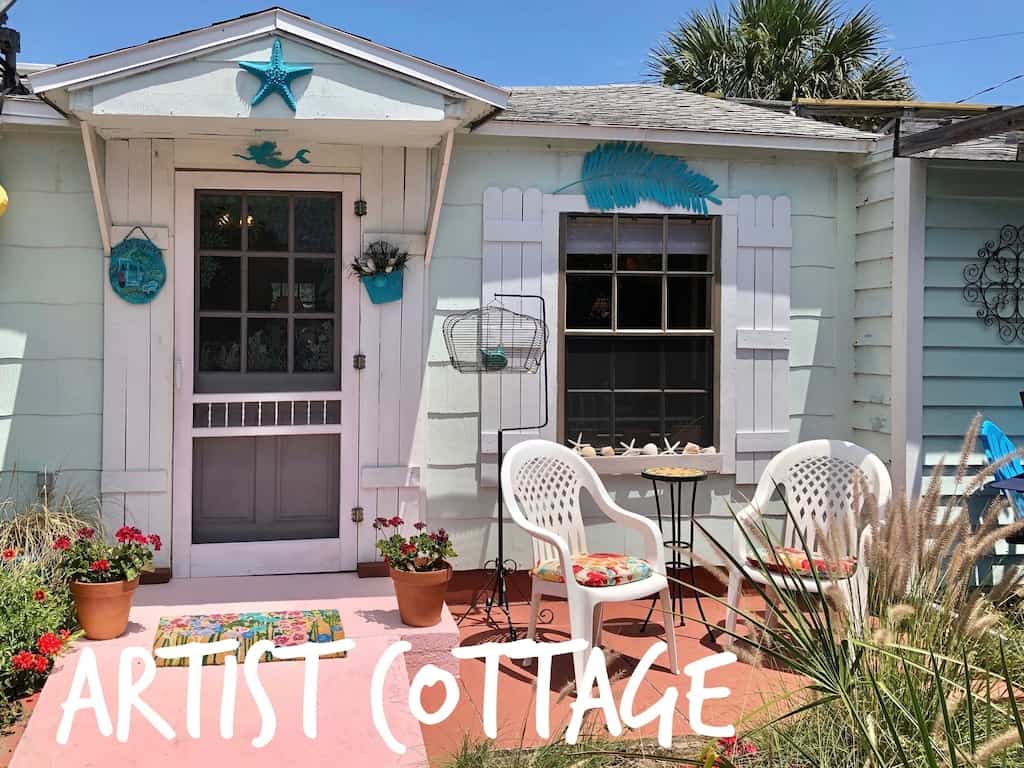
(795, 562)
(596, 569)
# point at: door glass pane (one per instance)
(220, 283)
(268, 284)
(314, 224)
(220, 222)
(588, 301)
(688, 302)
(267, 347)
(314, 285)
(314, 346)
(640, 302)
(267, 221)
(219, 344)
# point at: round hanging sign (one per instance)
(137, 271)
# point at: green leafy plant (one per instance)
(89, 559)
(380, 257)
(422, 551)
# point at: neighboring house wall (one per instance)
(967, 368)
(870, 416)
(51, 314)
(822, 190)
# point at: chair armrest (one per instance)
(654, 546)
(751, 513)
(556, 541)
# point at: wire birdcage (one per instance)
(494, 339)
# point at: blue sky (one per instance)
(538, 43)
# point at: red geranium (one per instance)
(86, 532)
(396, 522)
(42, 663)
(154, 540)
(23, 660)
(62, 542)
(39, 595)
(91, 559)
(9, 554)
(99, 565)
(49, 644)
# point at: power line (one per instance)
(992, 87)
(961, 40)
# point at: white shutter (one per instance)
(512, 263)
(757, 274)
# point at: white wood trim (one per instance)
(266, 397)
(751, 442)
(634, 465)
(134, 481)
(669, 136)
(31, 110)
(160, 236)
(512, 231)
(558, 204)
(260, 557)
(440, 186)
(390, 477)
(263, 558)
(752, 338)
(96, 163)
(191, 44)
(269, 431)
(727, 349)
(910, 190)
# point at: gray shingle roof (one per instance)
(659, 107)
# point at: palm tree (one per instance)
(781, 49)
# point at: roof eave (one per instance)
(587, 132)
(30, 110)
(166, 50)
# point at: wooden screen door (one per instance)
(266, 403)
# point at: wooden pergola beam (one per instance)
(979, 127)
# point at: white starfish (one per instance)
(578, 445)
(631, 449)
(671, 449)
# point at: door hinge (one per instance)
(357, 514)
(359, 361)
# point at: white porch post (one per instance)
(910, 183)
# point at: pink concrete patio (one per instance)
(346, 733)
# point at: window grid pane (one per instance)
(659, 347)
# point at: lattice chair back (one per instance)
(546, 486)
(826, 484)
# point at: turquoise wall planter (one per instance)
(383, 288)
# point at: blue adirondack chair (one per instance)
(997, 445)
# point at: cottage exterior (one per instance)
(230, 415)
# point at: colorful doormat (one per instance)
(282, 627)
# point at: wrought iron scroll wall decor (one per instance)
(996, 283)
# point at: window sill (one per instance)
(634, 465)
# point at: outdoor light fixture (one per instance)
(10, 47)
(360, 207)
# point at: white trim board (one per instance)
(166, 50)
(30, 110)
(672, 136)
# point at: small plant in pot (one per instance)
(380, 270)
(419, 569)
(103, 576)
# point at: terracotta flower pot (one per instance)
(103, 608)
(420, 595)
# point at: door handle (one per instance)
(178, 373)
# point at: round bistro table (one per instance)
(676, 478)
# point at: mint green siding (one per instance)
(822, 189)
(51, 314)
(966, 367)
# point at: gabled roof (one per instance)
(195, 42)
(657, 108)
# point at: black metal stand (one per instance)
(677, 543)
(496, 586)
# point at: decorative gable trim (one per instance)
(186, 45)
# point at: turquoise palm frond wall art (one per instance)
(621, 174)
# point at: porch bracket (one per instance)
(94, 159)
(440, 184)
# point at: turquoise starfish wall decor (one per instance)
(275, 76)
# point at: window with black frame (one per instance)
(639, 329)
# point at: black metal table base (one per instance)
(676, 544)
(496, 589)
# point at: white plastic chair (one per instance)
(817, 478)
(542, 482)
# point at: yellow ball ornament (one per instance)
(3, 200)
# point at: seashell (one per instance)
(607, 451)
(709, 450)
(630, 449)
(649, 450)
(587, 451)
(691, 448)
